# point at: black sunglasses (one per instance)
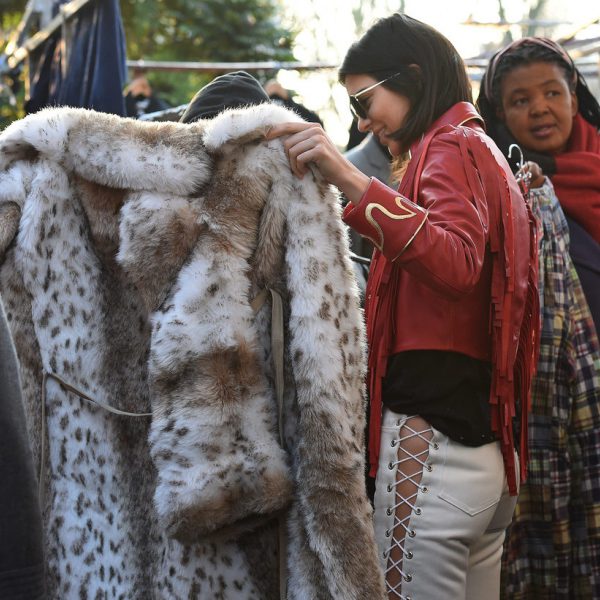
(358, 109)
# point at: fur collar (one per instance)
(239, 126)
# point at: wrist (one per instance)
(353, 185)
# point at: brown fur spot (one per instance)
(324, 311)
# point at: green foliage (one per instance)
(9, 8)
(216, 30)
(208, 30)
(179, 30)
(11, 88)
(11, 105)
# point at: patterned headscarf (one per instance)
(490, 74)
(575, 173)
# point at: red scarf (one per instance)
(577, 178)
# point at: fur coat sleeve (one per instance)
(195, 221)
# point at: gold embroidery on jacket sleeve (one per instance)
(405, 214)
(413, 236)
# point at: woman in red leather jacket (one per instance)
(451, 311)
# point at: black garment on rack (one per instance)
(88, 68)
(21, 546)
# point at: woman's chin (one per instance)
(394, 148)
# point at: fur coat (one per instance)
(130, 254)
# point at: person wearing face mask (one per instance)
(451, 309)
(140, 99)
(532, 95)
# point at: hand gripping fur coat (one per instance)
(129, 256)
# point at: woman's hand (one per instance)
(307, 143)
(535, 172)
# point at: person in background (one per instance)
(277, 93)
(232, 90)
(451, 310)
(372, 158)
(140, 99)
(533, 95)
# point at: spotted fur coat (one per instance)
(129, 256)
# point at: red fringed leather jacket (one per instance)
(454, 269)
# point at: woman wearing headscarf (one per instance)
(533, 94)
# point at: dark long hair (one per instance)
(522, 52)
(432, 74)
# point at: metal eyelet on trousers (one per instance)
(389, 487)
(385, 553)
(388, 533)
(408, 597)
(408, 555)
(389, 512)
(418, 511)
(391, 466)
(412, 533)
(408, 577)
(436, 446)
(393, 443)
(429, 468)
(424, 489)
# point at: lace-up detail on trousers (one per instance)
(406, 459)
(441, 510)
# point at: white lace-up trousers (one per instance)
(441, 511)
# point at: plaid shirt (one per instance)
(552, 551)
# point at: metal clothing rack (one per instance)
(226, 67)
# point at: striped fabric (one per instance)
(552, 551)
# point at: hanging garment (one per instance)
(140, 250)
(21, 544)
(553, 546)
(83, 64)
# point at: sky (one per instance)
(334, 19)
(328, 27)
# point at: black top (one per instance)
(449, 390)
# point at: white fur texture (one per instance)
(209, 216)
(240, 124)
(109, 150)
